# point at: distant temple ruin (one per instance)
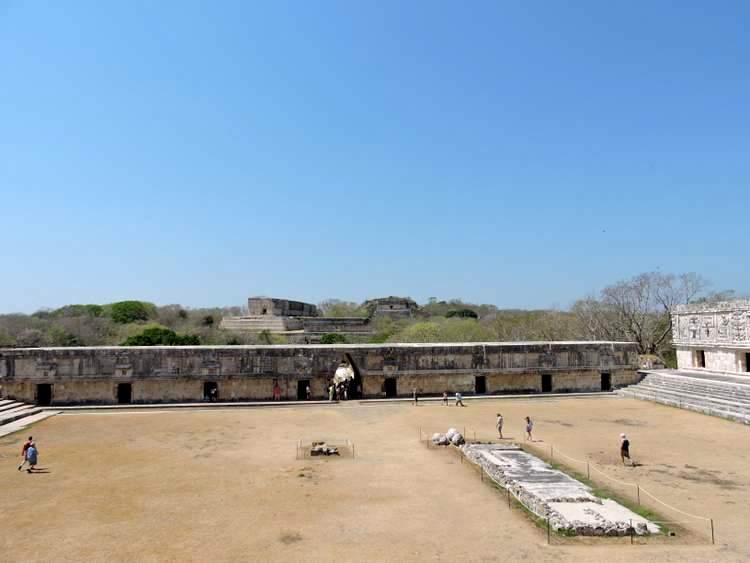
(713, 336)
(302, 323)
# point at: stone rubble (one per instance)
(321, 448)
(453, 436)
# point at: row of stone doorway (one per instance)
(390, 387)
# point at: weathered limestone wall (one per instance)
(720, 330)
(91, 375)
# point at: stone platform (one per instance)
(569, 504)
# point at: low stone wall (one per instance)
(179, 373)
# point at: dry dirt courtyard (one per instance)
(223, 484)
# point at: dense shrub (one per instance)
(333, 338)
(89, 310)
(161, 336)
(131, 311)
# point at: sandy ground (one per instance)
(224, 485)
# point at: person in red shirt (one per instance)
(26, 445)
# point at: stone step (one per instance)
(714, 389)
(25, 422)
(686, 380)
(634, 394)
(707, 400)
(698, 390)
(10, 405)
(15, 414)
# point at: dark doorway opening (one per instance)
(302, 386)
(700, 358)
(546, 383)
(124, 393)
(606, 382)
(210, 391)
(747, 361)
(355, 388)
(390, 387)
(44, 394)
(480, 384)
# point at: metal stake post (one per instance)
(548, 531)
(638, 493)
(588, 471)
(713, 540)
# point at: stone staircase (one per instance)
(11, 410)
(715, 396)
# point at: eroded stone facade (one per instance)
(105, 375)
(713, 336)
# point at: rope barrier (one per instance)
(675, 509)
(636, 485)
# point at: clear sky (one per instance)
(517, 153)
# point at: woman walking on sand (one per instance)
(529, 428)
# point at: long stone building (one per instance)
(107, 375)
(713, 336)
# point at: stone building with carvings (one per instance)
(713, 336)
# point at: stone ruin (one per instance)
(570, 506)
(453, 437)
(321, 448)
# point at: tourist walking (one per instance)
(331, 389)
(416, 397)
(31, 457)
(276, 391)
(529, 428)
(26, 445)
(308, 393)
(459, 399)
(625, 449)
(445, 398)
(499, 425)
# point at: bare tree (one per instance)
(639, 309)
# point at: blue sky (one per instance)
(517, 153)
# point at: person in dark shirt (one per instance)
(625, 449)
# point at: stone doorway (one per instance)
(700, 358)
(355, 389)
(546, 383)
(606, 384)
(480, 384)
(390, 387)
(44, 394)
(124, 393)
(210, 391)
(302, 385)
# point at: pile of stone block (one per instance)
(321, 448)
(453, 437)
